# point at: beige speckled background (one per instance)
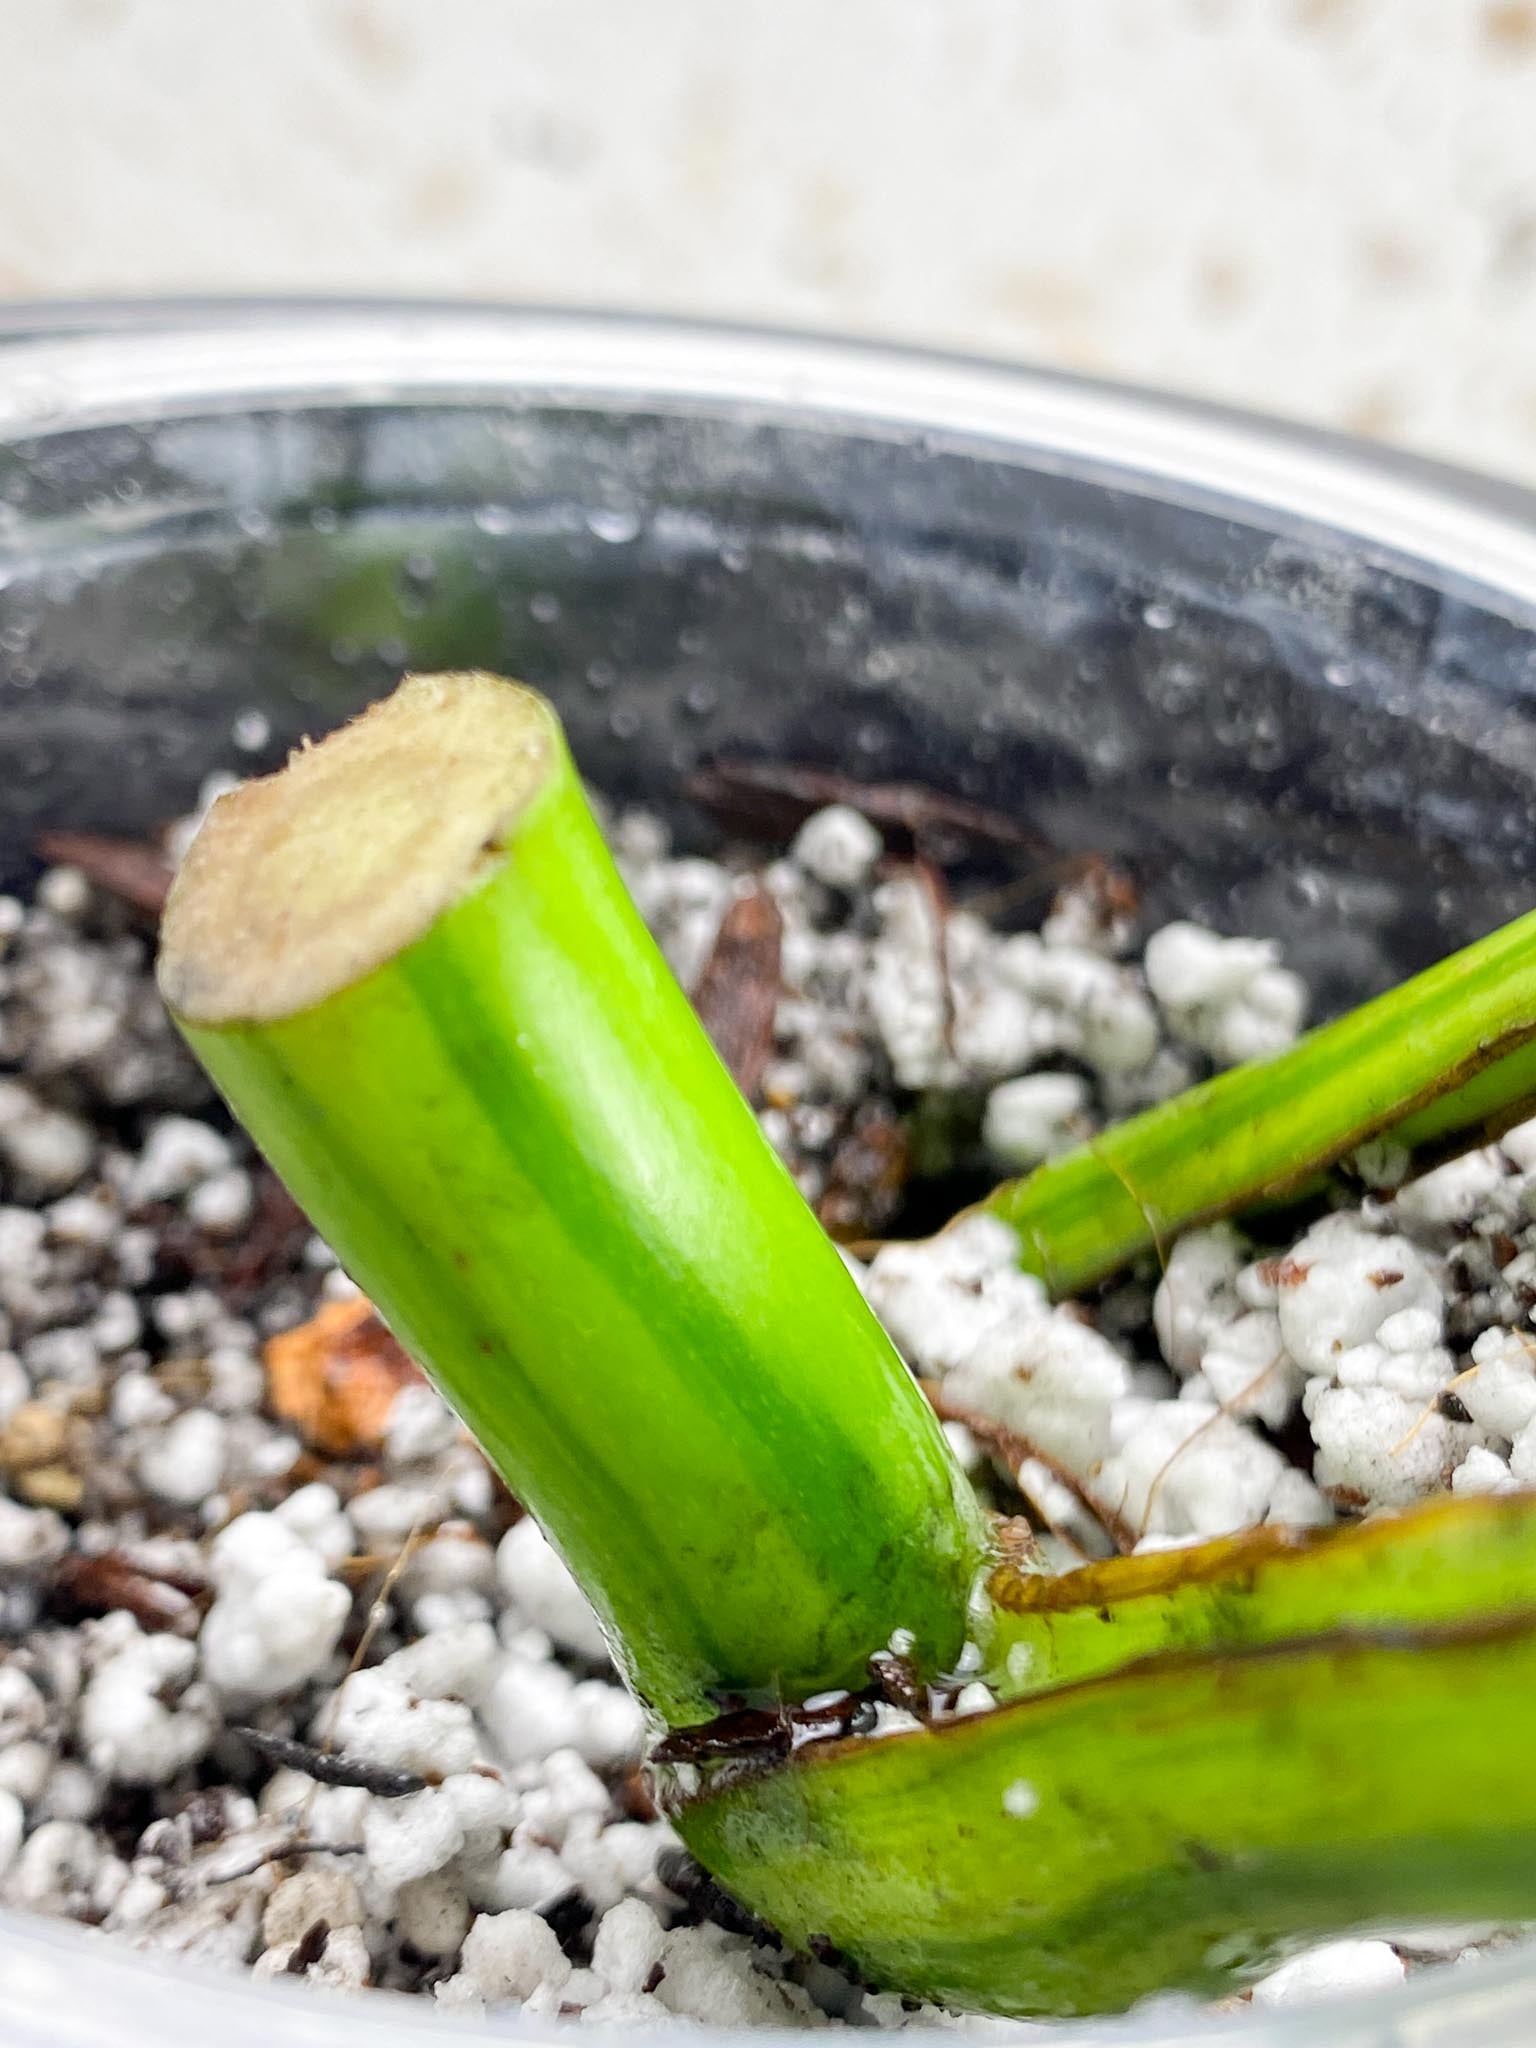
(1321, 207)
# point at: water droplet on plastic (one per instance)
(544, 607)
(623, 721)
(612, 523)
(37, 400)
(814, 546)
(1159, 617)
(733, 558)
(701, 698)
(495, 518)
(869, 739)
(254, 523)
(324, 518)
(601, 675)
(251, 731)
(1338, 674)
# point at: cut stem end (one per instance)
(303, 882)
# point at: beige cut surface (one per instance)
(302, 882)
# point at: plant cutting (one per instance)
(410, 966)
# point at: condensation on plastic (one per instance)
(1287, 679)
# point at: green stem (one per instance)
(409, 964)
(1174, 1825)
(1448, 1051)
(1429, 1569)
(1493, 1101)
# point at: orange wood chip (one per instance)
(335, 1378)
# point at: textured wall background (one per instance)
(1320, 207)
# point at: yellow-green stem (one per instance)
(1444, 1052)
(512, 1129)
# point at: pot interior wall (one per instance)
(1277, 730)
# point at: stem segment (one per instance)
(411, 967)
(1447, 1051)
(1442, 1564)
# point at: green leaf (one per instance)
(1182, 1823)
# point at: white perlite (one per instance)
(45, 1147)
(1168, 1466)
(1351, 1320)
(838, 846)
(1035, 1117)
(142, 1720)
(506, 1956)
(278, 1616)
(179, 1154)
(486, 1680)
(1329, 1972)
(534, 1577)
(1229, 997)
(1367, 1315)
(184, 1463)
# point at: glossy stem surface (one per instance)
(522, 1146)
(1432, 1568)
(1179, 1824)
(1447, 1051)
